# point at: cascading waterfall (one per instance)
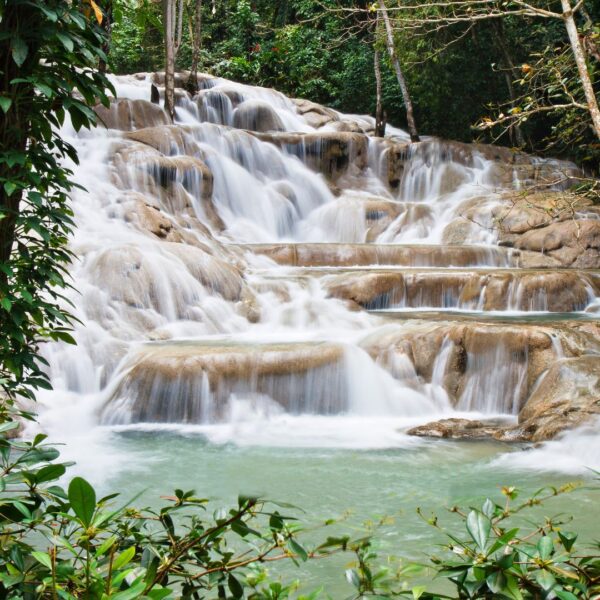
(187, 317)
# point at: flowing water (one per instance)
(267, 307)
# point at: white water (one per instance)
(196, 289)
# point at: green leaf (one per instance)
(42, 558)
(50, 473)
(124, 558)
(545, 579)
(564, 595)
(106, 545)
(19, 50)
(568, 539)
(545, 547)
(5, 103)
(496, 582)
(512, 588)
(8, 426)
(488, 508)
(235, 587)
(9, 188)
(134, 591)
(418, 591)
(479, 526)
(67, 42)
(296, 548)
(83, 500)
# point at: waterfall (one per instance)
(265, 258)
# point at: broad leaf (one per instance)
(479, 526)
(83, 500)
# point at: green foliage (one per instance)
(49, 73)
(307, 48)
(495, 552)
(68, 544)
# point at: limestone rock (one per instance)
(575, 243)
(129, 115)
(186, 382)
(331, 153)
(568, 396)
(458, 429)
(315, 114)
(254, 115)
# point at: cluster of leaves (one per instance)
(68, 544)
(49, 71)
(549, 92)
(500, 554)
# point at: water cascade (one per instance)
(265, 256)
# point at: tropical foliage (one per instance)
(49, 72)
(323, 50)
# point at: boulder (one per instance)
(129, 115)
(459, 429)
(567, 397)
(575, 243)
(315, 114)
(254, 115)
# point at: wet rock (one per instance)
(190, 382)
(254, 115)
(129, 115)
(344, 255)
(556, 291)
(183, 185)
(567, 397)
(168, 140)
(458, 429)
(165, 280)
(331, 153)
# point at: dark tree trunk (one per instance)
(516, 133)
(379, 115)
(14, 124)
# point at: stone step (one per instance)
(477, 288)
(194, 381)
(415, 255)
(484, 290)
(533, 318)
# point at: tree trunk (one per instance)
(192, 82)
(14, 124)
(169, 25)
(410, 118)
(509, 73)
(379, 119)
(584, 75)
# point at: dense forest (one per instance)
(460, 73)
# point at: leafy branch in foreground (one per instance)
(500, 554)
(59, 543)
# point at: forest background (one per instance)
(463, 76)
